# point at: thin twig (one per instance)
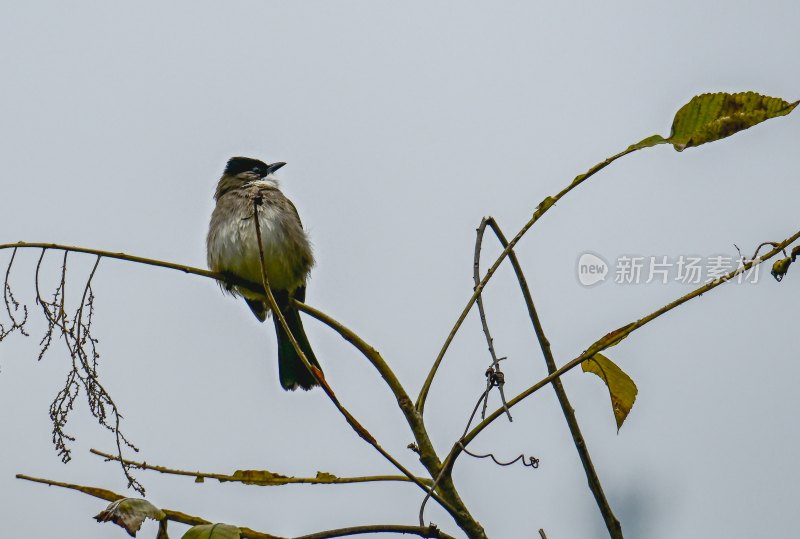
(362, 432)
(259, 477)
(424, 447)
(422, 531)
(614, 337)
(495, 374)
(612, 523)
(545, 205)
(428, 455)
(76, 334)
(12, 305)
(248, 533)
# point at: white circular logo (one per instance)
(591, 269)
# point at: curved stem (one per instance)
(611, 339)
(260, 477)
(247, 533)
(545, 205)
(612, 523)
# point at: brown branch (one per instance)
(461, 516)
(76, 335)
(614, 337)
(494, 376)
(612, 523)
(259, 477)
(12, 305)
(422, 531)
(424, 446)
(247, 533)
(545, 205)
(428, 455)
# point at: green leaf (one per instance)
(648, 142)
(212, 531)
(711, 117)
(129, 513)
(620, 386)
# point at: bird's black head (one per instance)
(237, 165)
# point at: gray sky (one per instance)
(402, 125)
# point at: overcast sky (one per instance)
(402, 125)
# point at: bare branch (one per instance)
(12, 305)
(612, 338)
(494, 375)
(545, 205)
(247, 533)
(317, 373)
(76, 333)
(422, 531)
(259, 477)
(612, 523)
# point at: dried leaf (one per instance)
(212, 531)
(325, 476)
(129, 513)
(620, 386)
(780, 267)
(711, 117)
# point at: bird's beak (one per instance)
(274, 166)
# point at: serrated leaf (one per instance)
(129, 513)
(620, 386)
(212, 531)
(711, 117)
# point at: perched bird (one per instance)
(233, 249)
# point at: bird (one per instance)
(232, 249)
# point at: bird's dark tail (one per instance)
(293, 373)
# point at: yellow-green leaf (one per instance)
(620, 386)
(326, 477)
(212, 531)
(260, 477)
(780, 268)
(711, 117)
(653, 140)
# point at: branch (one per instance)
(494, 375)
(363, 433)
(247, 533)
(545, 205)
(175, 516)
(422, 531)
(615, 337)
(259, 477)
(612, 523)
(428, 456)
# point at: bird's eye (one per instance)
(257, 170)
